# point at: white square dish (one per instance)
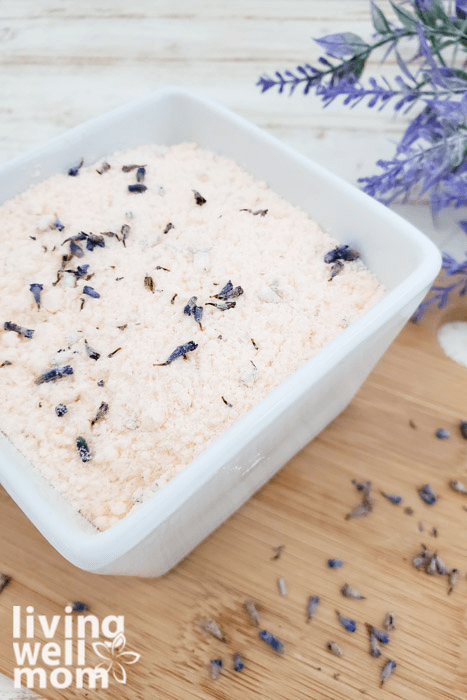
(160, 532)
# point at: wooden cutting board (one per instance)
(387, 435)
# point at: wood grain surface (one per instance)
(64, 61)
(386, 435)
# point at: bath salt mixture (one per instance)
(148, 303)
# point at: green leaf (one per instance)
(408, 20)
(380, 22)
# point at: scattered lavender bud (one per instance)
(342, 252)
(442, 434)
(258, 212)
(60, 409)
(254, 344)
(227, 403)
(73, 172)
(93, 354)
(76, 249)
(36, 290)
(420, 527)
(179, 351)
(58, 225)
(4, 581)
(191, 309)
(81, 271)
(335, 563)
(427, 494)
(103, 169)
(336, 268)
(100, 382)
(272, 641)
(434, 532)
(347, 623)
(90, 291)
(5, 363)
(125, 231)
(392, 497)
(93, 240)
(114, 352)
(238, 663)
(349, 592)
(199, 199)
(458, 486)
(250, 607)
(212, 628)
(282, 586)
(129, 168)
(361, 485)
(366, 506)
(334, 649)
(277, 549)
(140, 174)
(223, 306)
(311, 607)
(381, 636)
(432, 567)
(101, 411)
(389, 622)
(441, 567)
(83, 449)
(137, 188)
(375, 651)
(149, 284)
(408, 510)
(228, 292)
(168, 227)
(54, 373)
(78, 606)
(216, 666)
(463, 429)
(387, 671)
(25, 332)
(453, 579)
(422, 559)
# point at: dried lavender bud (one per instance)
(114, 352)
(277, 549)
(140, 174)
(83, 449)
(392, 497)
(420, 527)
(129, 168)
(93, 354)
(168, 227)
(189, 308)
(90, 291)
(172, 301)
(137, 188)
(375, 651)
(311, 607)
(463, 429)
(366, 506)
(100, 382)
(25, 332)
(349, 592)
(76, 249)
(254, 344)
(93, 240)
(53, 374)
(103, 169)
(427, 494)
(434, 532)
(336, 268)
(441, 567)
(149, 284)
(73, 172)
(159, 267)
(342, 252)
(227, 403)
(78, 606)
(250, 607)
(282, 586)
(389, 622)
(272, 641)
(216, 666)
(36, 290)
(334, 649)
(5, 363)
(60, 409)
(198, 314)
(224, 306)
(58, 225)
(453, 579)
(212, 628)
(125, 231)
(422, 559)
(347, 623)
(408, 510)
(335, 563)
(442, 434)
(101, 411)
(4, 581)
(80, 271)
(228, 292)
(387, 671)
(238, 663)
(180, 351)
(381, 636)
(458, 486)
(122, 328)
(199, 199)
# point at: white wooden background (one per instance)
(65, 61)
